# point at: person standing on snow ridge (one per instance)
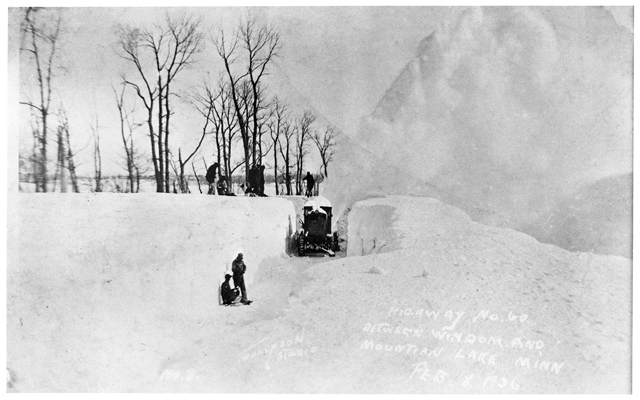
(211, 177)
(238, 268)
(222, 185)
(310, 183)
(261, 180)
(229, 296)
(253, 180)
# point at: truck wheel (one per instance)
(301, 245)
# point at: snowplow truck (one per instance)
(315, 234)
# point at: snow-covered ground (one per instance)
(94, 268)
(112, 292)
(507, 119)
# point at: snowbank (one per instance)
(317, 202)
(381, 225)
(169, 250)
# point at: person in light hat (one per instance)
(238, 268)
(229, 296)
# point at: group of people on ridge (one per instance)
(238, 294)
(254, 187)
(255, 183)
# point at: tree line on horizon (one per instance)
(245, 120)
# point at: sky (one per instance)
(337, 62)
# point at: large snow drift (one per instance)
(445, 305)
(495, 310)
(510, 114)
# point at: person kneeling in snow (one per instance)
(229, 296)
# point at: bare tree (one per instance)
(287, 133)
(278, 118)
(60, 163)
(216, 106)
(207, 105)
(228, 121)
(228, 52)
(65, 157)
(325, 143)
(129, 39)
(262, 118)
(70, 163)
(97, 158)
(41, 35)
(131, 154)
(172, 48)
(40, 41)
(303, 132)
(182, 181)
(24, 169)
(65, 161)
(186, 41)
(126, 138)
(195, 174)
(260, 45)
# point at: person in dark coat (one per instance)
(239, 268)
(229, 295)
(261, 180)
(253, 180)
(222, 185)
(212, 172)
(310, 183)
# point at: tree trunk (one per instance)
(97, 161)
(61, 159)
(166, 139)
(287, 170)
(246, 160)
(161, 183)
(226, 148)
(182, 179)
(196, 176)
(72, 167)
(260, 145)
(218, 132)
(154, 156)
(137, 179)
(43, 151)
(253, 148)
(130, 162)
(275, 167)
(287, 177)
